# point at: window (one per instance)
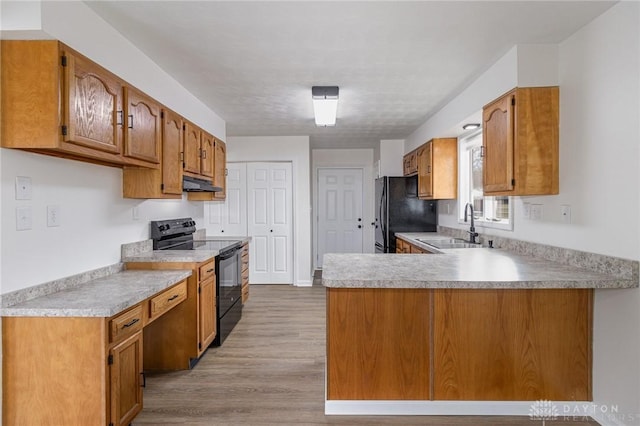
(490, 212)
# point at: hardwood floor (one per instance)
(270, 371)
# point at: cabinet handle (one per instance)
(144, 380)
(204, 154)
(200, 152)
(120, 119)
(130, 323)
(481, 151)
(174, 297)
(210, 270)
(131, 121)
(428, 169)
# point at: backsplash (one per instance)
(54, 286)
(623, 268)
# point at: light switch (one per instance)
(23, 218)
(23, 188)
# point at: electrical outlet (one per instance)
(526, 210)
(53, 216)
(135, 213)
(565, 212)
(536, 212)
(23, 188)
(23, 218)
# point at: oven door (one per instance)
(229, 280)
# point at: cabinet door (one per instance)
(172, 146)
(425, 170)
(143, 127)
(92, 106)
(207, 156)
(207, 313)
(192, 137)
(497, 142)
(126, 380)
(220, 178)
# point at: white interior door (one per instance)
(340, 222)
(270, 207)
(229, 217)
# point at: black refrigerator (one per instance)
(398, 209)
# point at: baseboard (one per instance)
(557, 409)
(304, 283)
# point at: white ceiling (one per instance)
(396, 63)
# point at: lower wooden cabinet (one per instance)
(459, 344)
(126, 380)
(244, 259)
(76, 370)
(403, 246)
(176, 340)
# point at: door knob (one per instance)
(359, 219)
(271, 230)
(359, 226)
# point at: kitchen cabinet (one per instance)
(143, 126)
(459, 344)
(244, 267)
(207, 310)
(78, 370)
(220, 170)
(438, 169)
(126, 380)
(207, 155)
(192, 138)
(520, 143)
(406, 247)
(410, 163)
(219, 175)
(57, 102)
(192, 324)
(166, 181)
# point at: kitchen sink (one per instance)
(450, 243)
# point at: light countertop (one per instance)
(102, 297)
(459, 268)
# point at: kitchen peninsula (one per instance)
(468, 331)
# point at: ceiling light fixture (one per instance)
(470, 126)
(325, 104)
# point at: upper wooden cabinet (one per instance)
(57, 102)
(192, 138)
(520, 143)
(220, 169)
(207, 154)
(92, 105)
(410, 163)
(438, 169)
(165, 182)
(143, 135)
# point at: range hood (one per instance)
(190, 184)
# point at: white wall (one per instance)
(599, 76)
(285, 148)
(340, 158)
(391, 153)
(96, 220)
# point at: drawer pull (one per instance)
(174, 297)
(210, 270)
(130, 323)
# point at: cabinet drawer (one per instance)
(167, 300)
(207, 270)
(125, 324)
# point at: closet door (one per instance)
(229, 217)
(269, 210)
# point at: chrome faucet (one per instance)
(472, 229)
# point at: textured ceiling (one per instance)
(396, 63)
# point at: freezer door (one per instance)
(381, 210)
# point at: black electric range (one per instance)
(177, 234)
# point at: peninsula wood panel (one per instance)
(54, 368)
(512, 344)
(378, 344)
